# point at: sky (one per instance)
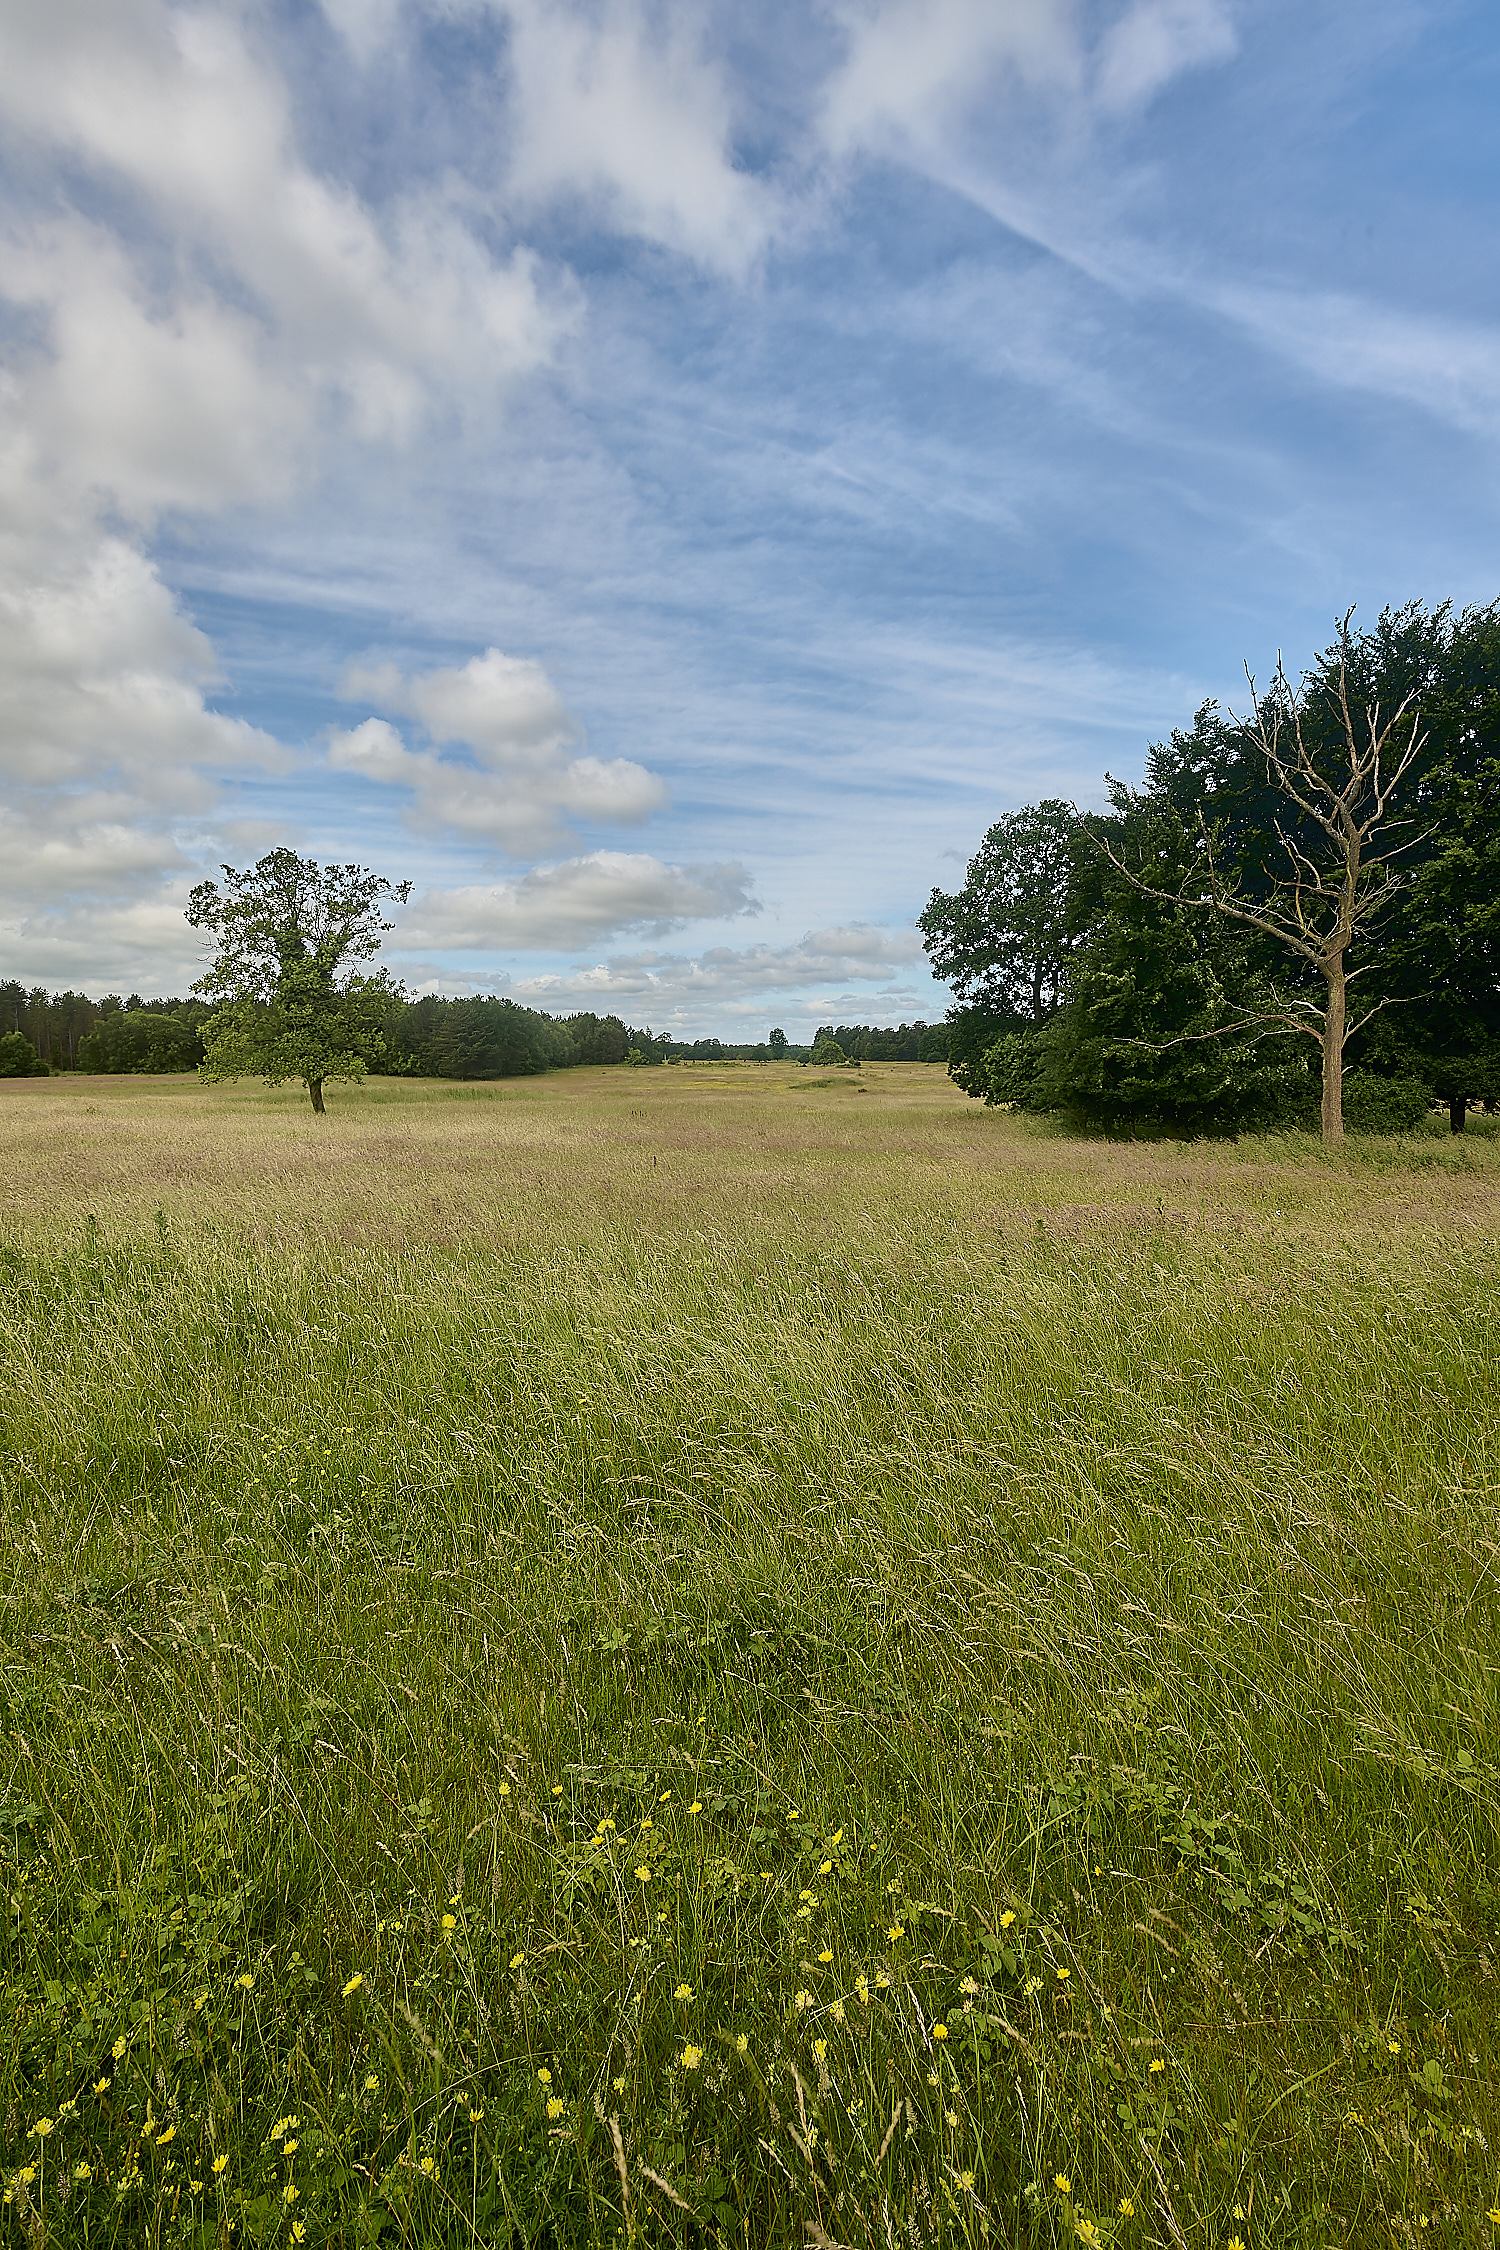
(664, 477)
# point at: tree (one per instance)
(1003, 942)
(1441, 955)
(1335, 768)
(777, 1045)
(18, 1058)
(291, 1008)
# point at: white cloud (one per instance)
(508, 714)
(577, 902)
(622, 108)
(1449, 368)
(912, 65)
(1155, 43)
(853, 953)
(916, 72)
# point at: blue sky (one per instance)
(666, 477)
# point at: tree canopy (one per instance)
(291, 1007)
(1179, 1002)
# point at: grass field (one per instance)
(742, 1656)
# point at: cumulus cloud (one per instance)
(507, 714)
(847, 954)
(620, 107)
(197, 356)
(914, 71)
(194, 316)
(577, 902)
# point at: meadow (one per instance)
(739, 1656)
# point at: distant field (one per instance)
(742, 1655)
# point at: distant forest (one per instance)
(42, 1032)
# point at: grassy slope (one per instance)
(1044, 1590)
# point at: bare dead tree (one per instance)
(1337, 885)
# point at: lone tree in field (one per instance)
(287, 931)
(1334, 774)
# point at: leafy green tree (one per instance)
(1440, 958)
(1335, 768)
(777, 1044)
(1003, 942)
(18, 1058)
(291, 1007)
(161, 1035)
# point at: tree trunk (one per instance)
(315, 1095)
(1458, 1109)
(1333, 1053)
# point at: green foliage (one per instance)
(285, 930)
(1003, 942)
(157, 1037)
(1142, 994)
(310, 1030)
(1374, 1103)
(18, 1058)
(490, 1038)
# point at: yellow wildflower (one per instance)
(554, 2108)
(837, 2011)
(896, 1933)
(940, 2031)
(695, 1806)
(169, 2135)
(825, 1956)
(221, 2164)
(516, 1959)
(85, 2171)
(450, 1921)
(666, 1793)
(558, 1789)
(1127, 2208)
(1007, 1918)
(1062, 2183)
(1156, 2065)
(118, 2048)
(41, 2128)
(691, 2057)
(643, 1874)
(826, 1868)
(505, 1788)
(742, 2042)
(290, 2192)
(245, 1981)
(966, 2181)
(354, 1983)
(803, 2002)
(544, 2077)
(820, 2048)
(1063, 1975)
(102, 2085)
(372, 2083)
(683, 1992)
(291, 2148)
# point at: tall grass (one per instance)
(906, 1680)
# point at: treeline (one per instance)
(426, 1038)
(870, 1042)
(1109, 966)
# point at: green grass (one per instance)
(1044, 1591)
